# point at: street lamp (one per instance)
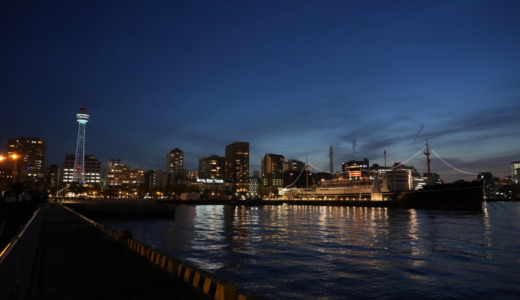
(15, 170)
(14, 157)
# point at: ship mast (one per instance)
(427, 153)
(306, 174)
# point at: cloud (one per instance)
(479, 125)
(421, 127)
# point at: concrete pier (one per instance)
(75, 260)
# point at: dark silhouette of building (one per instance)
(293, 165)
(155, 181)
(52, 179)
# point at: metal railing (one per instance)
(16, 259)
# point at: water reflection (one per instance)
(281, 251)
(413, 235)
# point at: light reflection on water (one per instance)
(325, 252)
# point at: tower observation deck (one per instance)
(79, 162)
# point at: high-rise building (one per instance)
(30, 161)
(91, 165)
(272, 169)
(515, 172)
(79, 163)
(175, 161)
(122, 181)
(237, 166)
(52, 179)
(212, 167)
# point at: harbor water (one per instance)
(332, 252)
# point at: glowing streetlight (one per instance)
(15, 169)
(14, 157)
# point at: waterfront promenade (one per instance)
(75, 260)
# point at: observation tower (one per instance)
(79, 162)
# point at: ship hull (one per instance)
(457, 198)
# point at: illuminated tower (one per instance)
(79, 162)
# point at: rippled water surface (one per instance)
(321, 252)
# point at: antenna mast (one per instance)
(427, 153)
(331, 160)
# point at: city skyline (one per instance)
(175, 158)
(289, 78)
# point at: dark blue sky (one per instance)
(289, 77)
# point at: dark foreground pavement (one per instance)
(77, 261)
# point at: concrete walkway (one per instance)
(77, 261)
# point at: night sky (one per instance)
(289, 77)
